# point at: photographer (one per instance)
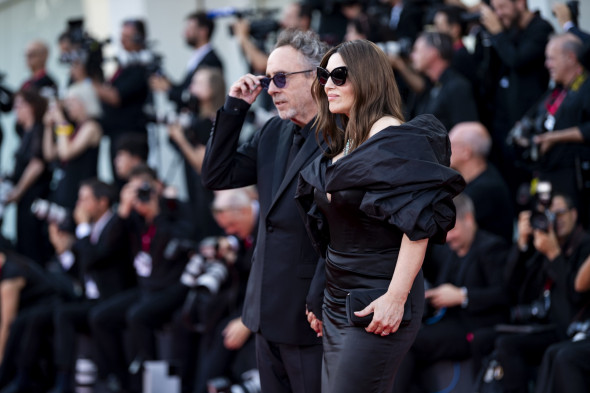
(562, 130)
(74, 146)
(467, 295)
(447, 94)
(511, 71)
(123, 96)
(151, 221)
(36, 56)
(197, 34)
(540, 273)
(470, 146)
(228, 349)
(208, 87)
(565, 365)
(132, 151)
(104, 261)
(295, 15)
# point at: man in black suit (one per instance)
(104, 260)
(470, 146)
(288, 351)
(124, 95)
(197, 33)
(564, 137)
(448, 95)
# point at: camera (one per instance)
(85, 49)
(579, 330)
(49, 211)
(250, 383)
(537, 311)
(470, 17)
(262, 22)
(402, 47)
(522, 133)
(205, 274)
(207, 266)
(541, 217)
(145, 191)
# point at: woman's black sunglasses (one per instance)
(280, 79)
(338, 75)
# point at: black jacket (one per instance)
(284, 261)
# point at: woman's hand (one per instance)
(314, 322)
(388, 311)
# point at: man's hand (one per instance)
(128, 199)
(445, 295)
(81, 215)
(241, 29)
(490, 20)
(246, 88)
(562, 13)
(545, 141)
(525, 231)
(547, 243)
(235, 334)
(314, 322)
(159, 83)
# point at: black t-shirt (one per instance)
(131, 83)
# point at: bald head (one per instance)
(36, 54)
(569, 44)
(472, 135)
(234, 213)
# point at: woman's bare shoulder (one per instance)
(383, 123)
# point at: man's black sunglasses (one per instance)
(280, 79)
(338, 75)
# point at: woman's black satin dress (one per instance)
(397, 182)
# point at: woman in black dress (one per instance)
(73, 145)
(372, 202)
(30, 176)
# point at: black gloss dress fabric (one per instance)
(397, 182)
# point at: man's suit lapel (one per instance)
(307, 151)
(283, 147)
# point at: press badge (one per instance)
(143, 264)
(549, 122)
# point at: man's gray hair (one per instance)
(463, 205)
(308, 43)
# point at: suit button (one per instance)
(269, 227)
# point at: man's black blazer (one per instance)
(108, 262)
(284, 260)
(177, 92)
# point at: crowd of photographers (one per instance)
(121, 263)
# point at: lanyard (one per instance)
(147, 237)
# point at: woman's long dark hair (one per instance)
(375, 95)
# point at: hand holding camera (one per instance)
(546, 243)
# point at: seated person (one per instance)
(151, 222)
(541, 268)
(467, 293)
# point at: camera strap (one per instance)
(555, 100)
